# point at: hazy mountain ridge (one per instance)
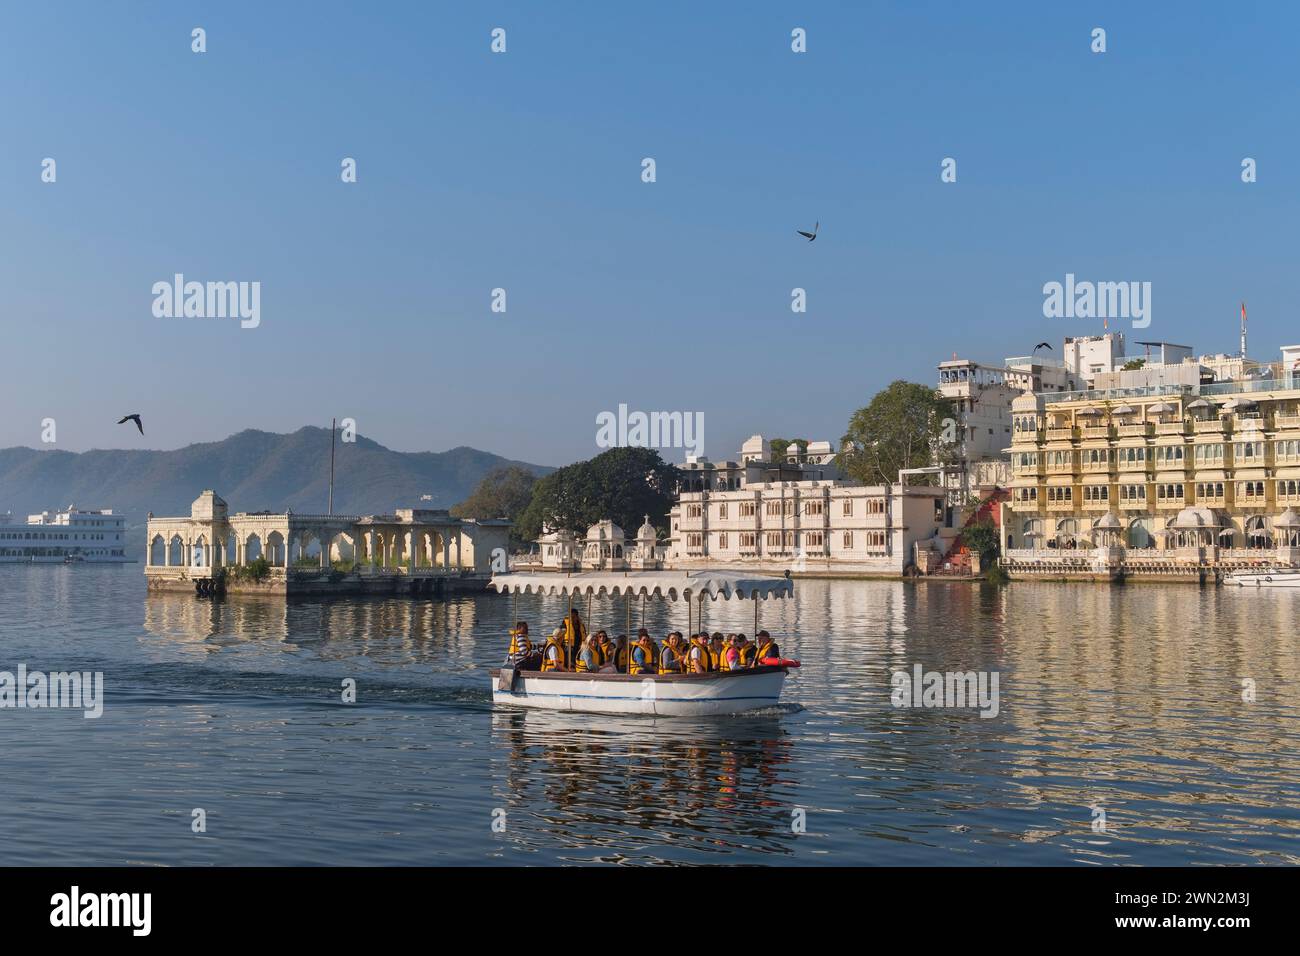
(252, 470)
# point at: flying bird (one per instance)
(132, 418)
(810, 236)
(1043, 345)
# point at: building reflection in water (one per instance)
(384, 630)
(1127, 698)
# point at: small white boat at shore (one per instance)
(663, 695)
(1264, 578)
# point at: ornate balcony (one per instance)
(1143, 430)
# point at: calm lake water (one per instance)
(1128, 700)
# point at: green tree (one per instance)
(982, 538)
(780, 445)
(622, 484)
(1132, 365)
(906, 426)
(503, 493)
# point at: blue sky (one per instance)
(522, 171)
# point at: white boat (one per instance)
(662, 695)
(1264, 578)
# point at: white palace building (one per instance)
(802, 515)
(64, 537)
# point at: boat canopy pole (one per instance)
(755, 616)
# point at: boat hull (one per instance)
(1264, 579)
(659, 695)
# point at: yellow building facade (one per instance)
(1204, 475)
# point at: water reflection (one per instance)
(1128, 699)
(622, 789)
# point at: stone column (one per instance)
(324, 550)
(446, 551)
(458, 558)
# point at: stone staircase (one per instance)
(957, 561)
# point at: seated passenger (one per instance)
(698, 655)
(716, 647)
(606, 648)
(670, 658)
(619, 659)
(731, 654)
(748, 652)
(766, 646)
(519, 642)
(644, 657)
(589, 657)
(553, 656)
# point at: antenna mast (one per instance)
(1243, 330)
(333, 423)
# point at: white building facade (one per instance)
(772, 519)
(64, 536)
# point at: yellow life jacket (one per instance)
(768, 650)
(670, 662)
(620, 659)
(716, 660)
(562, 657)
(519, 642)
(748, 654)
(652, 652)
(581, 666)
(690, 659)
(572, 642)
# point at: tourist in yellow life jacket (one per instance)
(575, 634)
(766, 646)
(748, 652)
(620, 654)
(670, 658)
(698, 655)
(554, 657)
(519, 642)
(644, 658)
(730, 654)
(606, 648)
(716, 647)
(589, 658)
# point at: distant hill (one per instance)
(252, 470)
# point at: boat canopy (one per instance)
(665, 584)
